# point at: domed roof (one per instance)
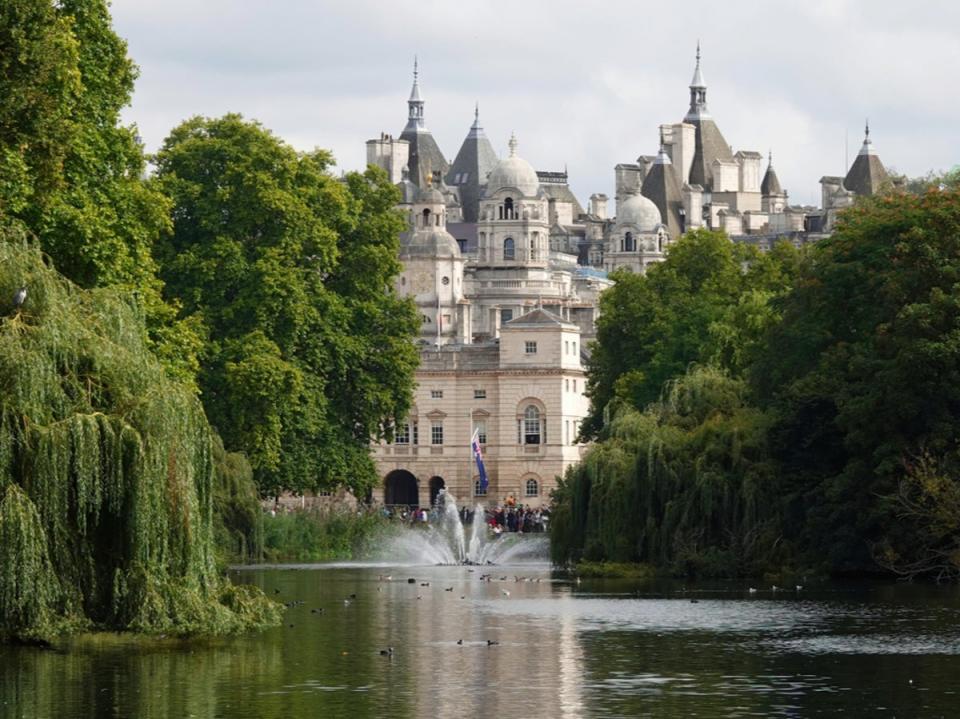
(639, 211)
(514, 172)
(430, 196)
(429, 243)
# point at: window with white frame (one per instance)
(436, 394)
(532, 488)
(478, 490)
(532, 425)
(479, 394)
(403, 433)
(530, 347)
(436, 433)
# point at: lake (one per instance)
(595, 649)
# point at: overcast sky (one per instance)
(582, 84)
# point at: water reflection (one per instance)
(599, 649)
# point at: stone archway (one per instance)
(436, 484)
(400, 487)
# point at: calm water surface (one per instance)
(598, 649)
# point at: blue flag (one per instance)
(478, 455)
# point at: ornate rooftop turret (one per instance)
(771, 183)
(709, 142)
(424, 150)
(867, 172)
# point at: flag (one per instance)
(478, 456)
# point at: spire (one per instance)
(415, 103)
(697, 80)
(475, 129)
(867, 148)
(513, 144)
(698, 93)
(771, 183)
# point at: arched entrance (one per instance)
(400, 487)
(436, 484)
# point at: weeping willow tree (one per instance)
(106, 472)
(686, 485)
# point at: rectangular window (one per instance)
(574, 385)
(567, 427)
(479, 394)
(403, 434)
(505, 316)
(436, 433)
(479, 491)
(574, 347)
(480, 426)
(566, 347)
(530, 347)
(436, 394)
(416, 433)
(566, 385)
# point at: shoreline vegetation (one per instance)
(790, 413)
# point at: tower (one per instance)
(709, 144)
(867, 172)
(424, 153)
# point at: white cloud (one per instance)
(582, 86)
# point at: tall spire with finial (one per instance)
(867, 148)
(415, 103)
(698, 91)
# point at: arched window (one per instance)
(479, 491)
(426, 218)
(660, 241)
(531, 425)
(508, 209)
(629, 245)
(532, 488)
(509, 252)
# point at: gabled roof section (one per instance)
(540, 318)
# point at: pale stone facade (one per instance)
(525, 395)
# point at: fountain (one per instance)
(445, 542)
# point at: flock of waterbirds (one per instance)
(489, 577)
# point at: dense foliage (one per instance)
(106, 472)
(289, 271)
(840, 410)
(70, 173)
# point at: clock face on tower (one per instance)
(423, 282)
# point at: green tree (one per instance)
(70, 173)
(709, 302)
(310, 351)
(864, 370)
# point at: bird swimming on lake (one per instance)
(448, 589)
(460, 642)
(492, 643)
(388, 652)
(505, 593)
(752, 590)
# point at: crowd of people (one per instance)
(507, 517)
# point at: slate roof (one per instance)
(866, 175)
(475, 160)
(662, 187)
(562, 193)
(538, 316)
(771, 183)
(425, 156)
(709, 146)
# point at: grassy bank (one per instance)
(318, 536)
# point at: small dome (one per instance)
(514, 172)
(639, 211)
(430, 196)
(429, 243)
